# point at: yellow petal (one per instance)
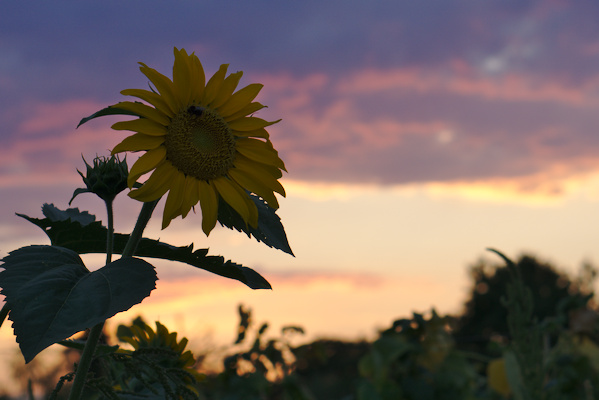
(164, 86)
(197, 77)
(144, 111)
(260, 173)
(253, 219)
(246, 181)
(258, 133)
(240, 100)
(229, 192)
(226, 90)
(181, 77)
(179, 347)
(153, 98)
(141, 125)
(172, 207)
(190, 196)
(249, 124)
(245, 111)
(157, 184)
(187, 359)
(273, 171)
(209, 205)
(214, 84)
(138, 142)
(260, 151)
(146, 163)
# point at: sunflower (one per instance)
(158, 350)
(202, 143)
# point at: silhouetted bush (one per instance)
(485, 316)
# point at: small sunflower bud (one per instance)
(106, 178)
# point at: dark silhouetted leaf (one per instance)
(55, 214)
(52, 295)
(107, 111)
(270, 230)
(91, 238)
(4, 313)
(198, 258)
(77, 192)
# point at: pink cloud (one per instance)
(372, 81)
(48, 147)
(43, 117)
(461, 80)
(421, 125)
(388, 126)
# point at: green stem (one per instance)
(142, 221)
(109, 232)
(96, 331)
(85, 361)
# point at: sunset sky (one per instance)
(416, 134)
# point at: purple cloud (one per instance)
(389, 92)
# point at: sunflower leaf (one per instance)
(269, 231)
(107, 111)
(55, 214)
(52, 295)
(91, 238)
(77, 192)
(200, 259)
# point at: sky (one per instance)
(416, 134)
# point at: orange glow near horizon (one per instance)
(345, 307)
(541, 189)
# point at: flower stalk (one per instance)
(95, 332)
(109, 231)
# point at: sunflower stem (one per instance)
(142, 221)
(95, 332)
(109, 232)
(85, 361)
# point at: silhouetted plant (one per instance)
(415, 359)
(552, 292)
(329, 367)
(262, 369)
(537, 368)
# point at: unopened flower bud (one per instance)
(107, 177)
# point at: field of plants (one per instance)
(527, 332)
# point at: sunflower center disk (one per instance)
(199, 143)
